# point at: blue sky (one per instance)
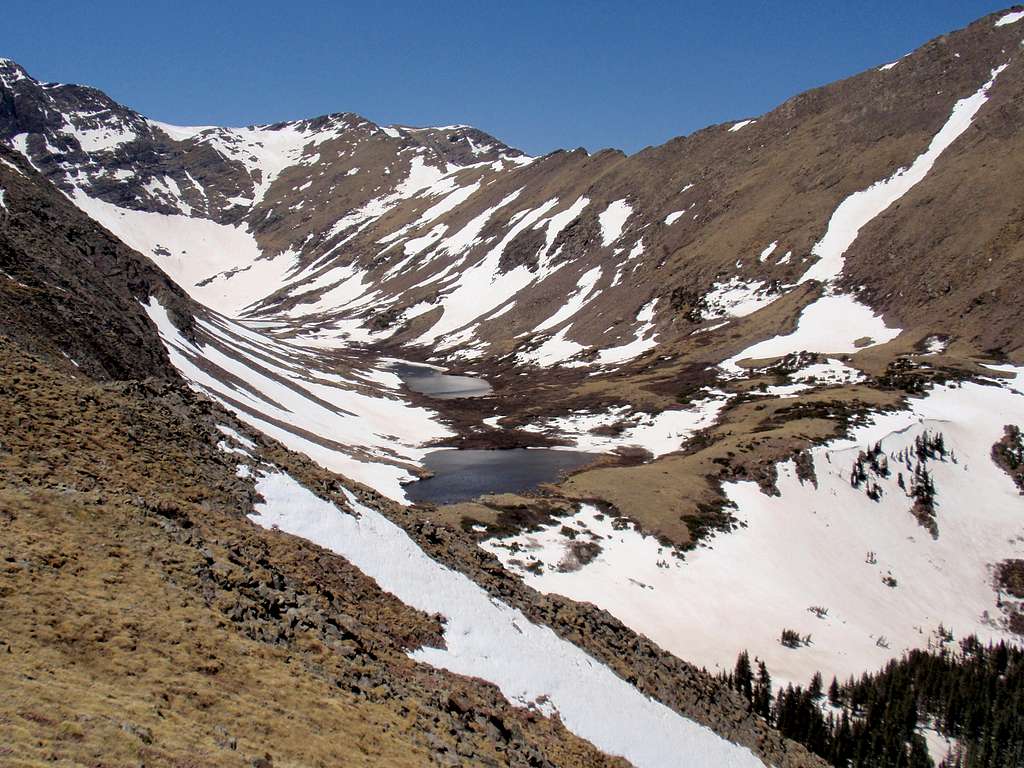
(539, 75)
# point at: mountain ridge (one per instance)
(792, 344)
(287, 225)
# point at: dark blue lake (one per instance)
(464, 475)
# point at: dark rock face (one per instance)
(70, 290)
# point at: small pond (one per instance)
(463, 475)
(433, 383)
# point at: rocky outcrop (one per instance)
(71, 291)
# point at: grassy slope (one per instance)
(147, 621)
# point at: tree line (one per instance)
(971, 693)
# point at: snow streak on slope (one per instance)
(612, 219)
(574, 303)
(557, 349)
(554, 225)
(482, 288)
(486, 638)
(344, 424)
(837, 323)
(861, 207)
(882, 582)
(642, 342)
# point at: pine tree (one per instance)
(816, 686)
(743, 677)
(833, 693)
(971, 692)
(763, 692)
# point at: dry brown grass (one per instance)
(146, 621)
(106, 662)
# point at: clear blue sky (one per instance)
(538, 74)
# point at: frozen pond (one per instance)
(463, 475)
(429, 381)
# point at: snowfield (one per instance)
(219, 265)
(486, 638)
(346, 425)
(884, 583)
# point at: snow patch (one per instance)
(612, 219)
(661, 433)
(768, 252)
(486, 638)
(736, 298)
(832, 324)
(643, 341)
(1010, 18)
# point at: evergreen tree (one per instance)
(815, 690)
(974, 693)
(833, 693)
(743, 677)
(763, 692)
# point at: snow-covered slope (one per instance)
(445, 238)
(488, 639)
(355, 425)
(848, 566)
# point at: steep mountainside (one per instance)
(154, 601)
(792, 345)
(72, 290)
(351, 230)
